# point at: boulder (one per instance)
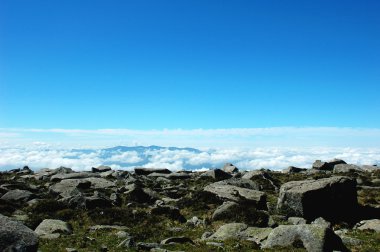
(14, 236)
(17, 196)
(229, 231)
(217, 174)
(100, 183)
(147, 171)
(239, 182)
(195, 222)
(239, 231)
(97, 200)
(329, 166)
(138, 194)
(230, 168)
(46, 173)
(224, 210)
(342, 168)
(52, 229)
(293, 169)
(332, 198)
(238, 194)
(370, 168)
(66, 187)
(314, 238)
(373, 225)
(102, 168)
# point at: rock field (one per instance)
(332, 206)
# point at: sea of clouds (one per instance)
(244, 158)
(247, 148)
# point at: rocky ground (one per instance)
(332, 206)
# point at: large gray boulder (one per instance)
(343, 168)
(14, 236)
(240, 231)
(239, 182)
(327, 166)
(237, 194)
(314, 238)
(102, 168)
(230, 168)
(373, 225)
(65, 188)
(332, 198)
(52, 229)
(17, 195)
(217, 174)
(293, 169)
(224, 210)
(370, 168)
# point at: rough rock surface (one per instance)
(329, 166)
(237, 194)
(331, 198)
(51, 229)
(217, 174)
(18, 196)
(315, 238)
(102, 168)
(240, 231)
(342, 168)
(373, 224)
(230, 168)
(14, 236)
(224, 210)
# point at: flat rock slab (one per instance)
(14, 236)
(237, 194)
(332, 198)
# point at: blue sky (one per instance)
(189, 64)
(190, 73)
(266, 83)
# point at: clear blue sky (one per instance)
(189, 64)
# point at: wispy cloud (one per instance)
(270, 131)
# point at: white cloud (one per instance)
(125, 157)
(248, 158)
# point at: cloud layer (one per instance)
(254, 158)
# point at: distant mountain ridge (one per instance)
(150, 148)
